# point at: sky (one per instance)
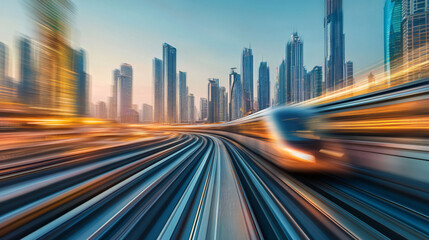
(209, 36)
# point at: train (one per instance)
(286, 136)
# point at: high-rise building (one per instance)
(295, 68)
(284, 86)
(27, 83)
(183, 98)
(126, 92)
(349, 74)
(223, 104)
(247, 80)
(79, 66)
(276, 89)
(158, 88)
(204, 108)
(316, 81)
(392, 37)
(56, 79)
(101, 110)
(415, 37)
(191, 106)
(3, 63)
(213, 98)
(147, 113)
(113, 105)
(334, 45)
(235, 92)
(264, 98)
(169, 63)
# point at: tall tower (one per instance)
(113, 105)
(79, 66)
(334, 45)
(126, 92)
(235, 97)
(349, 74)
(284, 89)
(264, 86)
(169, 61)
(247, 79)
(3, 63)
(158, 88)
(392, 37)
(27, 84)
(213, 98)
(183, 98)
(191, 111)
(295, 69)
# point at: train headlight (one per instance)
(300, 155)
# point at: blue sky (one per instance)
(209, 36)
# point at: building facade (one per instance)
(147, 113)
(183, 98)
(170, 80)
(247, 80)
(82, 98)
(235, 90)
(191, 109)
(264, 98)
(204, 108)
(213, 100)
(126, 92)
(223, 104)
(158, 88)
(392, 37)
(349, 74)
(295, 69)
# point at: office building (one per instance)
(204, 108)
(295, 69)
(392, 37)
(223, 104)
(3, 63)
(170, 80)
(158, 88)
(235, 95)
(247, 80)
(147, 113)
(27, 82)
(191, 109)
(334, 45)
(79, 65)
(101, 110)
(126, 92)
(113, 105)
(349, 74)
(284, 96)
(213, 100)
(183, 98)
(264, 98)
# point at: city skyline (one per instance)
(198, 71)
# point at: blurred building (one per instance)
(79, 65)
(126, 92)
(371, 79)
(284, 86)
(247, 80)
(308, 87)
(349, 74)
(235, 95)
(113, 105)
(158, 88)
(56, 78)
(183, 98)
(264, 98)
(204, 108)
(3, 63)
(213, 100)
(295, 68)
(27, 91)
(415, 36)
(147, 113)
(334, 45)
(275, 100)
(316, 76)
(392, 37)
(101, 110)
(169, 63)
(223, 104)
(191, 108)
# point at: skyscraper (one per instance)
(27, 83)
(349, 74)
(316, 81)
(392, 36)
(191, 107)
(126, 92)
(235, 92)
(415, 38)
(295, 69)
(3, 63)
(213, 98)
(223, 104)
(81, 83)
(183, 98)
(113, 106)
(334, 45)
(264, 98)
(147, 113)
(101, 110)
(284, 86)
(247, 80)
(158, 88)
(203, 108)
(169, 61)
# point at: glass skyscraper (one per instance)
(79, 65)
(213, 99)
(170, 80)
(264, 86)
(126, 92)
(235, 92)
(27, 85)
(183, 98)
(295, 69)
(334, 45)
(284, 86)
(392, 36)
(247, 80)
(158, 88)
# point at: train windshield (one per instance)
(292, 124)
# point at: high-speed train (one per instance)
(286, 136)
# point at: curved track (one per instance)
(197, 186)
